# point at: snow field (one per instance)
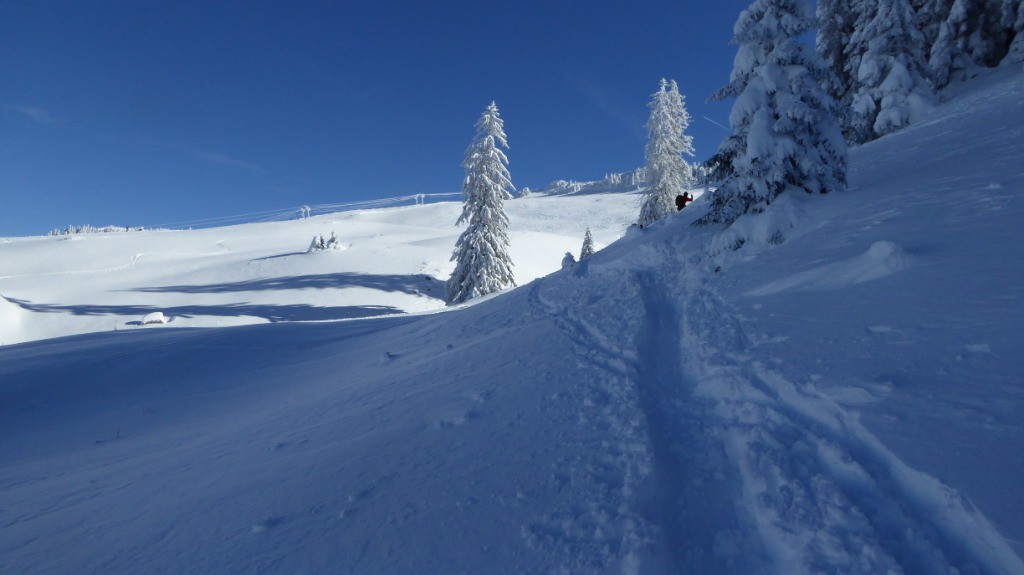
(393, 260)
(848, 400)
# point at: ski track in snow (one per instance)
(675, 501)
(823, 493)
(729, 466)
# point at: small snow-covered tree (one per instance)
(890, 76)
(786, 135)
(333, 243)
(568, 260)
(319, 244)
(482, 262)
(588, 246)
(668, 174)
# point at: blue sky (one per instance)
(146, 113)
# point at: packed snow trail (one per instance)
(692, 490)
(674, 484)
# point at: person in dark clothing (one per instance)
(683, 199)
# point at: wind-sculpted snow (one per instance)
(880, 260)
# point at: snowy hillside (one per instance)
(849, 401)
(391, 261)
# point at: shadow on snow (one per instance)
(272, 313)
(410, 284)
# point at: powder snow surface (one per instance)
(848, 401)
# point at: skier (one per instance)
(683, 199)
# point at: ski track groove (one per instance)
(690, 498)
(824, 494)
(794, 481)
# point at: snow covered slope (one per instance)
(392, 260)
(849, 401)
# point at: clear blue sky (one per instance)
(144, 113)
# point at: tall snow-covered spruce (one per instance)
(668, 174)
(786, 135)
(483, 264)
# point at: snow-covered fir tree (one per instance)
(890, 77)
(786, 136)
(719, 166)
(701, 174)
(483, 264)
(947, 54)
(568, 260)
(928, 18)
(668, 174)
(836, 21)
(1013, 17)
(588, 246)
(974, 33)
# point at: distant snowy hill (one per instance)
(848, 401)
(390, 260)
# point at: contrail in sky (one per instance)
(717, 124)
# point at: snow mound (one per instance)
(156, 317)
(882, 259)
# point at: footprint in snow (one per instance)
(268, 523)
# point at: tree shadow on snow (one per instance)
(278, 256)
(410, 284)
(272, 313)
